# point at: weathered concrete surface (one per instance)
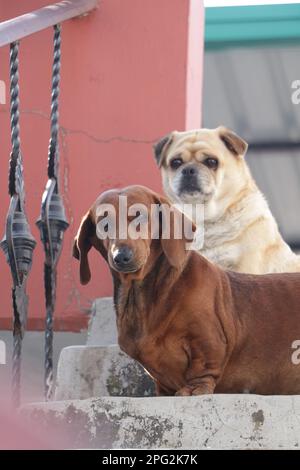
(97, 371)
(102, 325)
(100, 368)
(207, 422)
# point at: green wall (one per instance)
(243, 26)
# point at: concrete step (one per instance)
(100, 368)
(102, 326)
(99, 371)
(205, 422)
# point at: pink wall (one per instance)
(131, 71)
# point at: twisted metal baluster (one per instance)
(53, 144)
(52, 222)
(14, 116)
(18, 243)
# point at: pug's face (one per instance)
(200, 165)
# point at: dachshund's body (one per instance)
(198, 329)
(225, 332)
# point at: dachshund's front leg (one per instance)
(201, 378)
(204, 387)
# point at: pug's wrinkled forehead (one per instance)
(188, 143)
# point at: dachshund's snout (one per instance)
(122, 258)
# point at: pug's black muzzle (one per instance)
(189, 180)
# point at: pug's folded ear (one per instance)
(161, 147)
(235, 144)
(82, 245)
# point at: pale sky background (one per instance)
(223, 3)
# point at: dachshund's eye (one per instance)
(176, 163)
(211, 163)
(104, 222)
(134, 216)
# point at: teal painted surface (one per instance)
(240, 26)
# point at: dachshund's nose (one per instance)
(123, 256)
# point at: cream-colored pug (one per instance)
(240, 233)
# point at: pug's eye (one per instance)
(211, 163)
(176, 163)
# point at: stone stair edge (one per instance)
(244, 398)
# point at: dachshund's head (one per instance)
(132, 228)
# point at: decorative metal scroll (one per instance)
(52, 222)
(18, 243)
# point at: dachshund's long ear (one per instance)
(82, 245)
(176, 233)
(161, 147)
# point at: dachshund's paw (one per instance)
(189, 390)
(202, 390)
(184, 392)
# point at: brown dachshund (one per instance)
(195, 328)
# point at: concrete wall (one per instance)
(131, 71)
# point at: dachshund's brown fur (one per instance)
(196, 328)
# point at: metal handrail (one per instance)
(18, 243)
(30, 23)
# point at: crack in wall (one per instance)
(102, 140)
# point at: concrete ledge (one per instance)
(207, 422)
(102, 328)
(98, 371)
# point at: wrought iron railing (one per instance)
(18, 242)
